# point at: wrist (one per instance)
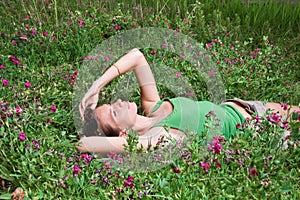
(98, 84)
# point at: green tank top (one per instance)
(190, 115)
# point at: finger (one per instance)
(93, 106)
(81, 111)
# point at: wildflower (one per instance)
(36, 144)
(176, 170)
(76, 170)
(211, 74)
(33, 32)
(238, 126)
(2, 67)
(267, 41)
(252, 172)
(87, 158)
(274, 118)
(49, 121)
(5, 82)
(178, 74)
(45, 34)
(54, 38)
(284, 106)
(93, 182)
(205, 166)
(70, 159)
(24, 37)
(18, 110)
(22, 136)
(285, 125)
(140, 194)
(208, 46)
(227, 60)
(117, 27)
(13, 42)
(164, 46)
(81, 23)
(129, 182)
(27, 85)
(182, 57)
(63, 185)
(53, 108)
(214, 40)
(153, 52)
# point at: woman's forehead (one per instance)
(103, 109)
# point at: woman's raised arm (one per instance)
(133, 60)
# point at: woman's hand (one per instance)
(90, 98)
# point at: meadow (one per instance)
(253, 45)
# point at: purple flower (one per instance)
(153, 52)
(208, 45)
(13, 42)
(53, 108)
(176, 170)
(164, 46)
(33, 32)
(205, 166)
(76, 170)
(129, 182)
(81, 23)
(45, 34)
(252, 172)
(87, 158)
(22, 136)
(2, 67)
(284, 106)
(5, 82)
(274, 118)
(178, 74)
(211, 74)
(140, 194)
(117, 27)
(27, 85)
(36, 144)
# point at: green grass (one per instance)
(253, 46)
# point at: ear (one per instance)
(123, 133)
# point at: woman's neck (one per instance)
(143, 124)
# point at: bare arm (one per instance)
(116, 144)
(133, 60)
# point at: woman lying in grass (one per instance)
(179, 114)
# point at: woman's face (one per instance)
(119, 115)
